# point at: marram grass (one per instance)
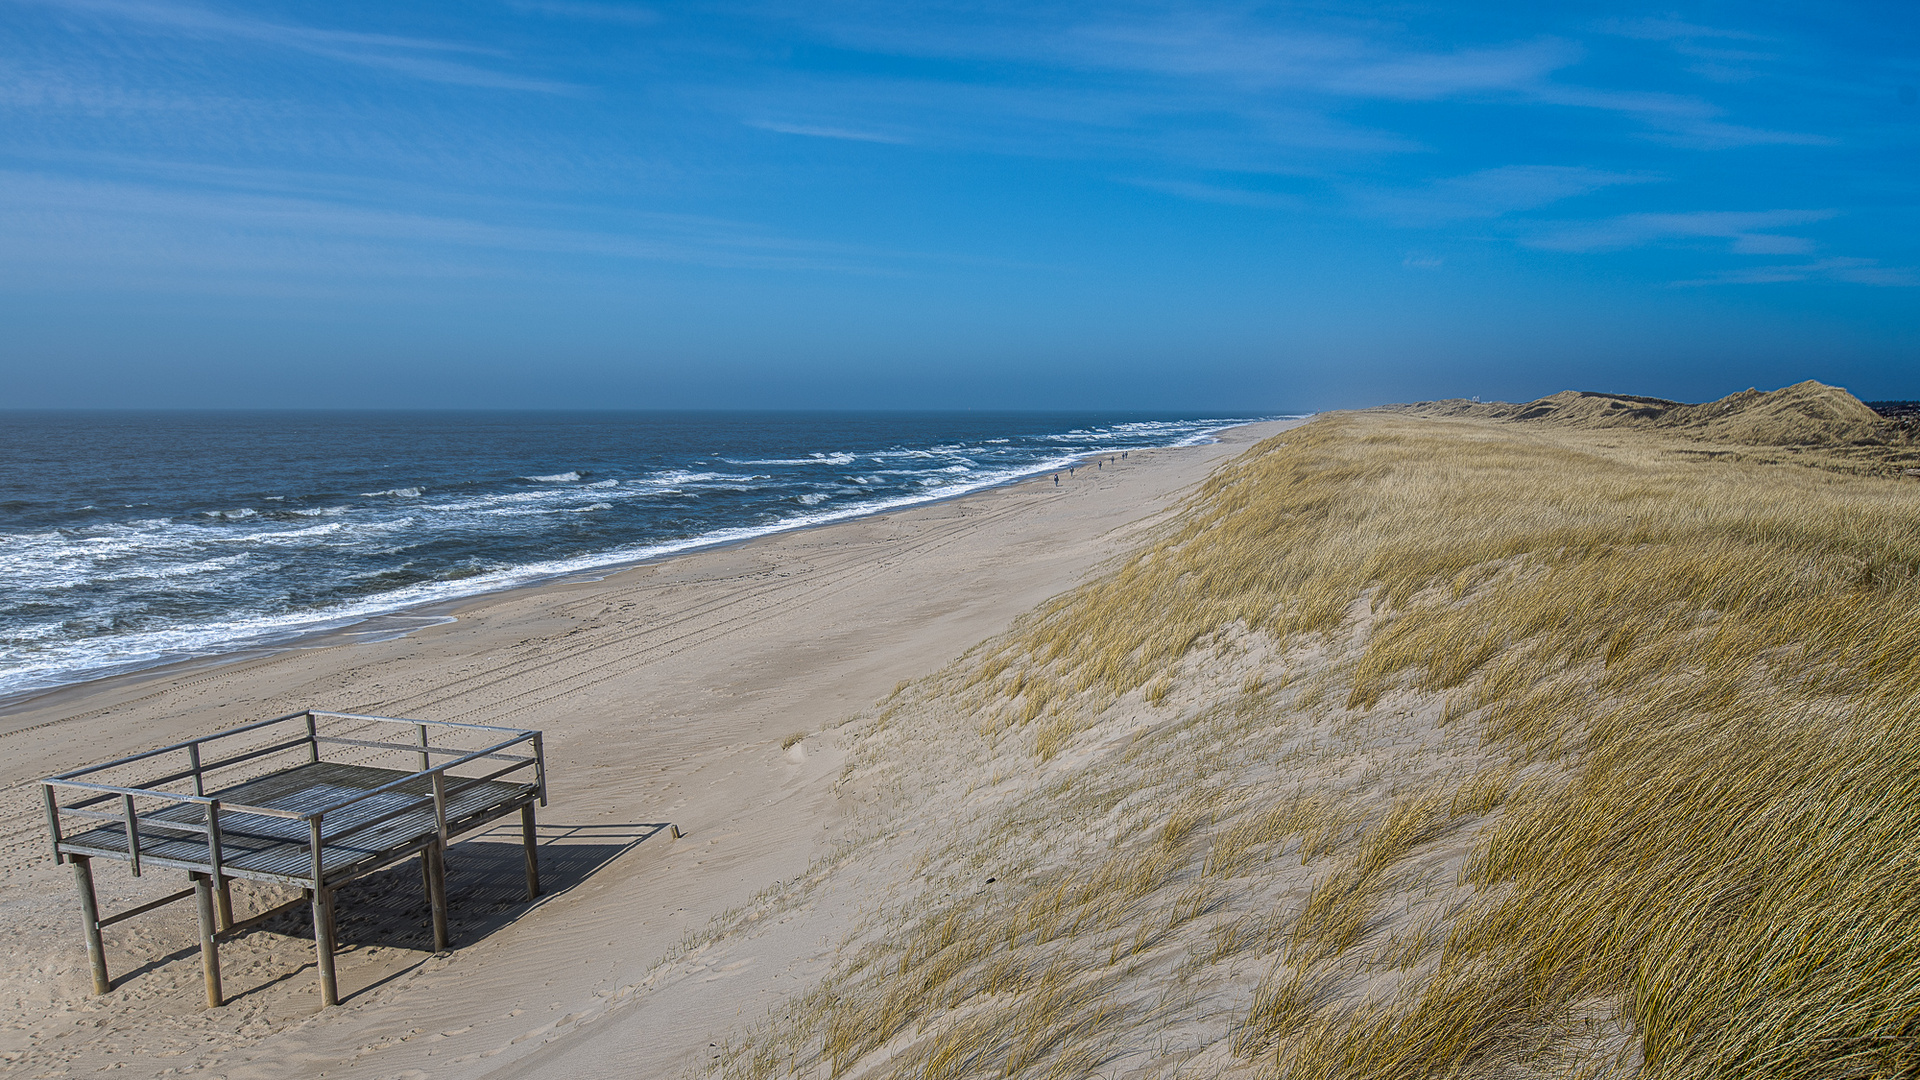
(1676, 737)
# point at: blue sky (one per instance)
(1244, 208)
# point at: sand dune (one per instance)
(1804, 414)
(667, 693)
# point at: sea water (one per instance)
(133, 539)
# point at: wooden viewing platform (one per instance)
(312, 800)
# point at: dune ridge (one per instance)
(1805, 414)
(1415, 745)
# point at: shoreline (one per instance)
(703, 690)
(441, 609)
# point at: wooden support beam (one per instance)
(437, 895)
(90, 917)
(123, 916)
(223, 900)
(209, 949)
(323, 945)
(527, 839)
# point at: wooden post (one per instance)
(90, 915)
(437, 895)
(133, 833)
(53, 820)
(540, 767)
(322, 910)
(533, 856)
(313, 740)
(215, 858)
(323, 945)
(426, 759)
(209, 949)
(439, 781)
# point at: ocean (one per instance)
(129, 539)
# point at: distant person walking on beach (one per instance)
(1056, 479)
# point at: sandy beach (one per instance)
(666, 693)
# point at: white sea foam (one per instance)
(222, 542)
(835, 458)
(402, 493)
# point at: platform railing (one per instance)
(103, 800)
(135, 823)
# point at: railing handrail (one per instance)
(201, 741)
(172, 796)
(201, 768)
(258, 724)
(214, 808)
(415, 720)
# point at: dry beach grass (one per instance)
(1412, 746)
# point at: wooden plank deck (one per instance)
(277, 849)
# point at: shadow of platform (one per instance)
(486, 886)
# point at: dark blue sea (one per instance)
(132, 539)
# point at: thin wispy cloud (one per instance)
(415, 57)
(1427, 77)
(1248, 57)
(1747, 232)
(1670, 28)
(1490, 193)
(1717, 54)
(629, 14)
(1851, 271)
(821, 131)
(135, 227)
(1217, 193)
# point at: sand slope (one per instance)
(665, 691)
